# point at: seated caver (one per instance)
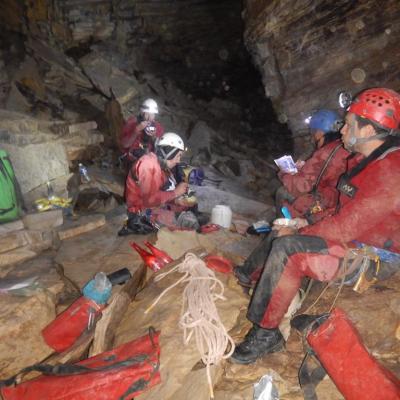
(312, 192)
(139, 133)
(368, 212)
(151, 192)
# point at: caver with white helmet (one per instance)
(151, 184)
(148, 111)
(149, 106)
(139, 133)
(169, 145)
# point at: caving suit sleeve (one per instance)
(128, 134)
(304, 180)
(369, 214)
(150, 181)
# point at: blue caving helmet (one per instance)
(326, 121)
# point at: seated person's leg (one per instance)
(255, 261)
(291, 259)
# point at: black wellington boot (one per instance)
(256, 343)
(242, 276)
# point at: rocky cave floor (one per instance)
(90, 244)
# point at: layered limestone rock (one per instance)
(25, 312)
(309, 50)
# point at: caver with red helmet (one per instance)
(378, 108)
(368, 212)
(379, 105)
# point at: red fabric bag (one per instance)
(357, 374)
(63, 331)
(119, 374)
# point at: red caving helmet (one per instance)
(379, 105)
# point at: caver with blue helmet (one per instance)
(310, 193)
(324, 126)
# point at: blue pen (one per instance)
(286, 213)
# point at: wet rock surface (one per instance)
(25, 312)
(288, 43)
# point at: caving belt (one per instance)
(334, 347)
(119, 374)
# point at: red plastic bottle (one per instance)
(149, 259)
(162, 255)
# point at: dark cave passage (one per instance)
(198, 46)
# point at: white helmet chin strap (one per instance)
(166, 155)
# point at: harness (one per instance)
(316, 208)
(344, 186)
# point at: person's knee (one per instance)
(286, 243)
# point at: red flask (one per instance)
(149, 259)
(162, 255)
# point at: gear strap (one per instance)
(391, 141)
(324, 167)
(75, 369)
(310, 378)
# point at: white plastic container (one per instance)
(221, 215)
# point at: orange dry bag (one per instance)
(62, 333)
(119, 374)
(336, 344)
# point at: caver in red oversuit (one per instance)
(369, 213)
(150, 186)
(312, 192)
(140, 133)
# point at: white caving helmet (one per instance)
(149, 106)
(168, 145)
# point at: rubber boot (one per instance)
(242, 276)
(136, 225)
(257, 342)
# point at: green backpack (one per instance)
(10, 195)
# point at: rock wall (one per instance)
(201, 39)
(309, 50)
(62, 60)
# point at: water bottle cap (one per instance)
(101, 282)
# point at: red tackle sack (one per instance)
(119, 374)
(62, 333)
(355, 372)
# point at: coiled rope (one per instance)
(199, 315)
